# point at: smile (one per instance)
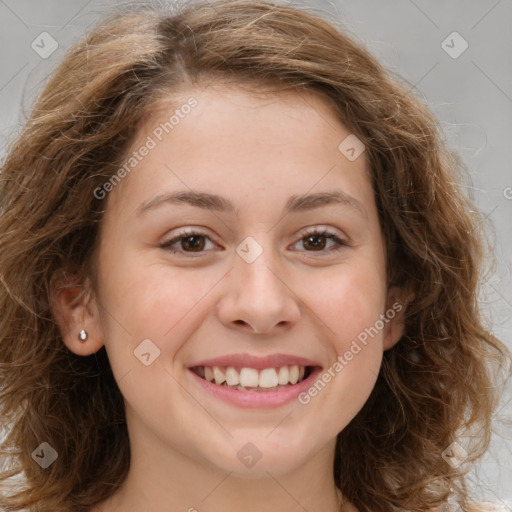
(253, 379)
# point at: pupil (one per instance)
(311, 238)
(189, 241)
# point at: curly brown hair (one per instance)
(438, 382)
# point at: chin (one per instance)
(253, 457)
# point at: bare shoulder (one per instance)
(490, 506)
(487, 506)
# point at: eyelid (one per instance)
(183, 233)
(319, 230)
(328, 232)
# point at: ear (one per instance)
(74, 309)
(396, 303)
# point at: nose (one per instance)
(258, 297)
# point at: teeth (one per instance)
(284, 375)
(294, 374)
(266, 378)
(249, 377)
(232, 378)
(218, 375)
(208, 374)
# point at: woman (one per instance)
(238, 274)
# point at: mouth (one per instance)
(273, 378)
(252, 381)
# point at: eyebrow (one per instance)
(216, 203)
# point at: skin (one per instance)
(255, 151)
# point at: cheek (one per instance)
(150, 301)
(348, 302)
(351, 307)
(151, 313)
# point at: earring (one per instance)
(82, 336)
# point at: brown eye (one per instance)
(188, 243)
(193, 243)
(315, 242)
(322, 240)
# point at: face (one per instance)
(243, 246)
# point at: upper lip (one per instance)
(257, 362)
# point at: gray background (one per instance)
(471, 94)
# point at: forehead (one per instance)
(220, 137)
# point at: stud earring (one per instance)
(82, 336)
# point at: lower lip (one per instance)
(257, 399)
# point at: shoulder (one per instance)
(490, 506)
(484, 506)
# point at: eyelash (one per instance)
(314, 232)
